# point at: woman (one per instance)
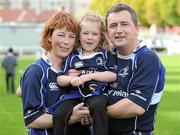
(40, 91)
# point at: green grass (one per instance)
(11, 117)
(168, 114)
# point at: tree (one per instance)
(101, 6)
(169, 12)
(159, 12)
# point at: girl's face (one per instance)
(62, 42)
(90, 36)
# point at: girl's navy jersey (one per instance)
(141, 78)
(40, 92)
(96, 62)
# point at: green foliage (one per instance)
(101, 6)
(178, 7)
(168, 114)
(159, 12)
(168, 13)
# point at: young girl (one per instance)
(97, 68)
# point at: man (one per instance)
(9, 63)
(135, 96)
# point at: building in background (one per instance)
(21, 21)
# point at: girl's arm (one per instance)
(64, 80)
(106, 76)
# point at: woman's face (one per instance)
(63, 42)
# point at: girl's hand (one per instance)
(76, 81)
(86, 78)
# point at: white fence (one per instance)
(23, 38)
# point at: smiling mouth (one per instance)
(120, 37)
(65, 49)
(89, 43)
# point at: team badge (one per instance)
(53, 86)
(99, 61)
(123, 72)
(79, 64)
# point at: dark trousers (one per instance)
(60, 120)
(97, 107)
(9, 82)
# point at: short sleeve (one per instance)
(144, 80)
(32, 98)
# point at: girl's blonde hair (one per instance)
(58, 20)
(92, 17)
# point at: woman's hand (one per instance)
(79, 112)
(86, 120)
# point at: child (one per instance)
(97, 68)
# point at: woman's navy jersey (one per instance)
(97, 62)
(40, 92)
(141, 79)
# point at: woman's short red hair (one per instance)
(58, 20)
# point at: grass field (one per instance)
(168, 115)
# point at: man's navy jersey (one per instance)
(40, 92)
(96, 62)
(141, 78)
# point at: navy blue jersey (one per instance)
(40, 92)
(141, 78)
(96, 62)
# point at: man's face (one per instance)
(121, 30)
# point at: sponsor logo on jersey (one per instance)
(83, 72)
(99, 61)
(79, 64)
(123, 72)
(139, 96)
(118, 93)
(53, 86)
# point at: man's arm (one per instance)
(124, 108)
